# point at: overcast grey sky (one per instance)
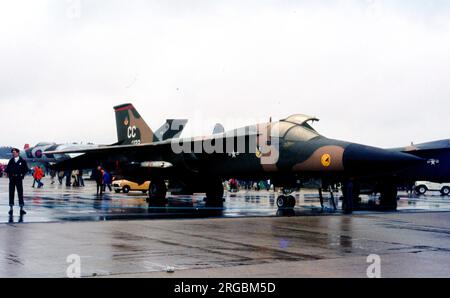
(374, 72)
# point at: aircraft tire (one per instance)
(157, 190)
(214, 192)
(284, 202)
(291, 201)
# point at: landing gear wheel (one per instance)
(291, 201)
(157, 190)
(282, 201)
(285, 201)
(126, 189)
(388, 197)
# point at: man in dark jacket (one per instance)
(98, 176)
(17, 169)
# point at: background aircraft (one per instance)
(437, 165)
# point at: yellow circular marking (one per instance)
(258, 153)
(326, 160)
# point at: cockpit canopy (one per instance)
(300, 119)
(295, 128)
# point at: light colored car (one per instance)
(126, 186)
(421, 187)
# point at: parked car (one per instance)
(126, 186)
(421, 187)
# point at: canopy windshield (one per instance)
(295, 128)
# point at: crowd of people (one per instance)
(75, 178)
(235, 185)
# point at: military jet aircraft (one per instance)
(287, 152)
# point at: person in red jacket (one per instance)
(38, 175)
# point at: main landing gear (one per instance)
(157, 191)
(214, 193)
(352, 189)
(388, 197)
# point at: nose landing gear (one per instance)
(286, 200)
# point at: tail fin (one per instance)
(131, 128)
(171, 129)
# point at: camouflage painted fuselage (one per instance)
(285, 151)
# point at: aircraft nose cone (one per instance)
(365, 159)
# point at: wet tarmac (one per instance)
(408, 244)
(248, 237)
(55, 203)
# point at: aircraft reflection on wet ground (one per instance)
(55, 203)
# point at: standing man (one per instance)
(99, 179)
(68, 175)
(107, 180)
(17, 169)
(52, 176)
(80, 178)
(60, 177)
